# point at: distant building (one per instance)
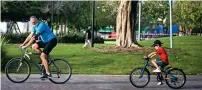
(107, 32)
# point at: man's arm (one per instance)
(30, 41)
(27, 39)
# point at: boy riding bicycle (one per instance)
(160, 62)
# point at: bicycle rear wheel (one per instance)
(137, 80)
(175, 78)
(17, 70)
(61, 71)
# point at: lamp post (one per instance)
(139, 14)
(93, 17)
(171, 31)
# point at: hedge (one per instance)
(72, 38)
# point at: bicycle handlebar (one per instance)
(24, 50)
(146, 58)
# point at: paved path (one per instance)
(94, 82)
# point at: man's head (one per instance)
(157, 44)
(33, 20)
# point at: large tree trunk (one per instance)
(125, 24)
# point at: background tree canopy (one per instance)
(78, 14)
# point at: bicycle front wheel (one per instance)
(17, 70)
(175, 78)
(139, 78)
(61, 71)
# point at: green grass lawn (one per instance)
(88, 61)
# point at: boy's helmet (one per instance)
(157, 42)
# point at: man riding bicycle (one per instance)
(48, 42)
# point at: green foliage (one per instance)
(154, 10)
(110, 39)
(15, 38)
(105, 13)
(187, 13)
(4, 58)
(68, 38)
(76, 14)
(21, 10)
(76, 38)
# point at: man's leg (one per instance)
(89, 42)
(86, 43)
(45, 63)
(47, 49)
(36, 48)
(154, 63)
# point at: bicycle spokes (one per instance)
(175, 78)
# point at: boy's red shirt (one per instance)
(163, 55)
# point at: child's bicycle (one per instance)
(175, 78)
(18, 69)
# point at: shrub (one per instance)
(70, 38)
(15, 38)
(4, 58)
(77, 39)
(110, 39)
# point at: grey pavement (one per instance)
(94, 82)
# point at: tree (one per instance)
(75, 15)
(187, 14)
(105, 13)
(125, 24)
(153, 11)
(21, 11)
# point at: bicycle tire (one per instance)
(7, 70)
(52, 66)
(134, 83)
(168, 80)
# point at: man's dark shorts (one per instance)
(47, 46)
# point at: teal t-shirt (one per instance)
(44, 31)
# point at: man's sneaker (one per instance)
(46, 76)
(156, 70)
(160, 83)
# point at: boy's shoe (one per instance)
(160, 83)
(157, 70)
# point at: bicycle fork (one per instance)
(142, 71)
(20, 64)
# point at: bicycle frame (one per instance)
(158, 75)
(145, 67)
(27, 54)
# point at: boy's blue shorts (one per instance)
(160, 63)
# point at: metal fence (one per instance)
(149, 36)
